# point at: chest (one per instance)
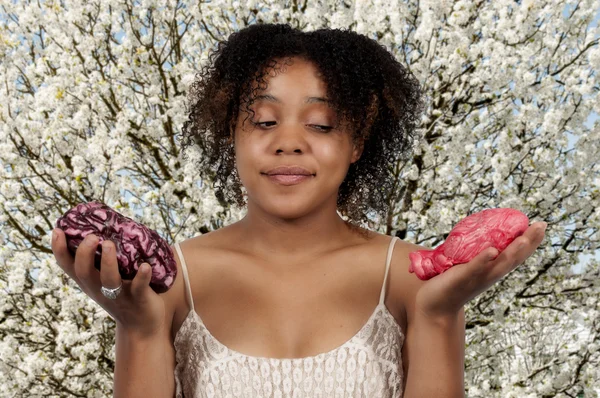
(287, 310)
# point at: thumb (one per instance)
(489, 254)
(141, 280)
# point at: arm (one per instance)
(435, 350)
(435, 327)
(144, 367)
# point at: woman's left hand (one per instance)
(444, 295)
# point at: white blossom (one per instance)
(511, 91)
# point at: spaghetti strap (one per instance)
(387, 267)
(185, 276)
(204, 366)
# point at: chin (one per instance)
(285, 207)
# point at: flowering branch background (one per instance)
(94, 96)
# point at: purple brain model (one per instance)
(471, 236)
(135, 243)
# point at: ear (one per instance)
(357, 151)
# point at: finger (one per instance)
(109, 266)
(63, 257)
(84, 264)
(536, 233)
(523, 246)
(483, 262)
(516, 253)
(140, 287)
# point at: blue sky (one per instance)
(591, 120)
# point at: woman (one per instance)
(296, 299)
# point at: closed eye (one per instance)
(324, 128)
(259, 123)
(319, 127)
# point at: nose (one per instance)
(290, 138)
(298, 150)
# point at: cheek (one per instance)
(330, 153)
(332, 156)
(248, 161)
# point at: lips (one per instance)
(288, 179)
(289, 170)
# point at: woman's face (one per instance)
(290, 133)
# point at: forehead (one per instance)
(289, 77)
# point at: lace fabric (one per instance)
(367, 365)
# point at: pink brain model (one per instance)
(134, 242)
(471, 236)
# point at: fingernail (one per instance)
(106, 247)
(54, 235)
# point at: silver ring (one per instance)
(111, 293)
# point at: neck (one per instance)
(292, 240)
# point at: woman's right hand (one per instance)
(138, 309)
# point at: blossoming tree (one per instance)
(94, 94)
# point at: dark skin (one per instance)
(299, 257)
(307, 283)
(298, 221)
(285, 224)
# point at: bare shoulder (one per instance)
(208, 246)
(405, 284)
(405, 288)
(402, 285)
(175, 298)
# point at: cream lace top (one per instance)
(367, 365)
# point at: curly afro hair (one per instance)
(371, 92)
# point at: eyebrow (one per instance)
(307, 100)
